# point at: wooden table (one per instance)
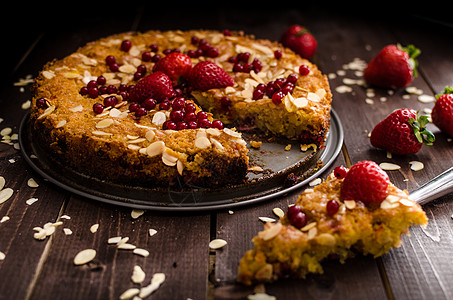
(421, 268)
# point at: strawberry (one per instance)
(207, 75)
(175, 65)
(156, 85)
(442, 114)
(366, 182)
(393, 67)
(402, 132)
(300, 40)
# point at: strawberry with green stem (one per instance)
(393, 67)
(402, 132)
(442, 113)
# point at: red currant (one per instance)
(332, 207)
(340, 172)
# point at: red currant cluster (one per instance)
(241, 63)
(296, 216)
(276, 89)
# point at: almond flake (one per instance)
(350, 204)
(94, 228)
(156, 281)
(271, 232)
(5, 194)
(129, 69)
(312, 233)
(217, 144)
(416, 165)
(309, 226)
(84, 256)
(141, 252)
(61, 124)
(313, 97)
(126, 246)
(77, 108)
(114, 240)
(150, 134)
(32, 183)
(104, 123)
(300, 102)
(101, 133)
(232, 133)
(407, 202)
(388, 205)
(47, 112)
(31, 201)
(48, 74)
(389, 166)
(266, 219)
(217, 244)
(129, 293)
(155, 148)
(179, 167)
(278, 212)
(152, 232)
(137, 213)
(202, 143)
(2, 182)
(159, 118)
(138, 275)
(67, 231)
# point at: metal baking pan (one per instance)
(272, 157)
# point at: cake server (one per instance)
(437, 187)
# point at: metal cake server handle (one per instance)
(435, 188)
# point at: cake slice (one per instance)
(353, 211)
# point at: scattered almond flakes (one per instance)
(416, 165)
(141, 252)
(84, 256)
(315, 182)
(136, 213)
(129, 293)
(5, 194)
(2, 182)
(156, 281)
(389, 166)
(31, 201)
(67, 231)
(2, 255)
(114, 240)
(217, 244)
(32, 183)
(94, 228)
(4, 219)
(257, 169)
(152, 232)
(138, 275)
(278, 212)
(266, 219)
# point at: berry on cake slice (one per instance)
(176, 65)
(393, 67)
(353, 211)
(156, 85)
(207, 75)
(442, 113)
(402, 132)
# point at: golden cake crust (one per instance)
(114, 145)
(282, 250)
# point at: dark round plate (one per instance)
(272, 157)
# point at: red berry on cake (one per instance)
(402, 132)
(175, 65)
(366, 182)
(156, 85)
(207, 75)
(300, 40)
(393, 67)
(442, 114)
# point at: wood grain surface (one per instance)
(420, 269)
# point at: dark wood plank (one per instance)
(399, 264)
(179, 249)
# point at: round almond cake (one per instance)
(149, 108)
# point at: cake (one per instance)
(326, 223)
(149, 108)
